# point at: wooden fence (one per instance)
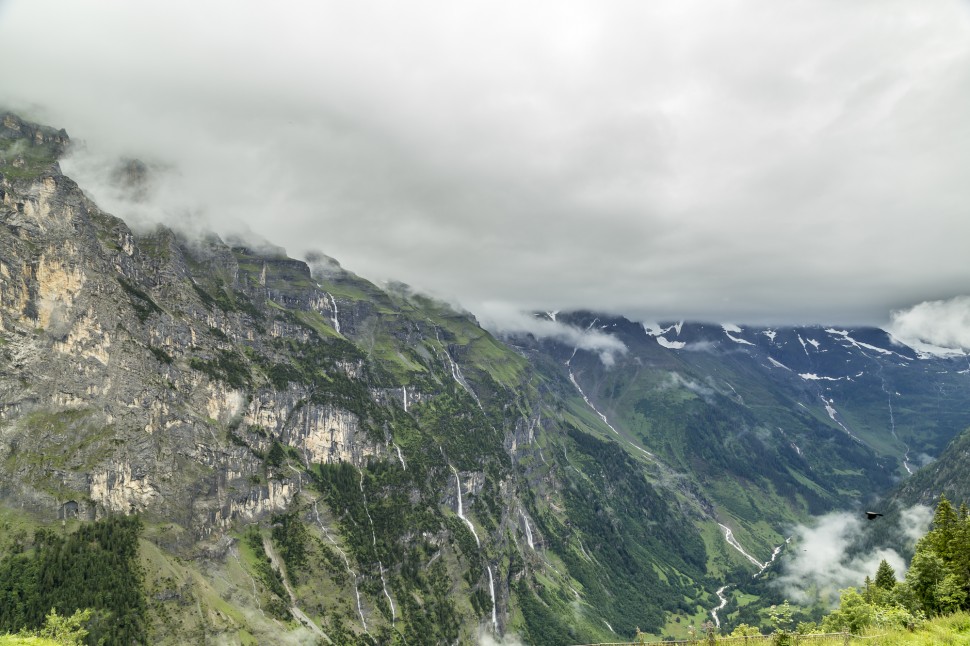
(819, 639)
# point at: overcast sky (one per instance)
(747, 160)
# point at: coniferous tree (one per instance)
(885, 576)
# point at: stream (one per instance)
(724, 600)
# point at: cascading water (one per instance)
(334, 319)
(528, 530)
(455, 369)
(491, 591)
(575, 383)
(404, 390)
(461, 509)
(390, 601)
(892, 424)
(729, 537)
(401, 458)
(733, 542)
(774, 554)
(373, 536)
(720, 595)
(491, 580)
(360, 609)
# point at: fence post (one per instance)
(845, 637)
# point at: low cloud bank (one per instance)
(485, 639)
(505, 321)
(675, 380)
(825, 562)
(934, 326)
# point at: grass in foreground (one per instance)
(14, 640)
(952, 629)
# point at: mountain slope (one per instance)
(771, 426)
(316, 458)
(311, 454)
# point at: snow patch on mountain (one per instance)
(779, 364)
(811, 376)
(654, 329)
(729, 328)
(844, 334)
(672, 345)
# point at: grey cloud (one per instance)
(755, 161)
(934, 326)
(503, 319)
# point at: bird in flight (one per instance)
(872, 515)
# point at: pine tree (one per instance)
(942, 536)
(885, 576)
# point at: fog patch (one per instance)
(915, 521)
(487, 639)
(935, 327)
(826, 556)
(702, 346)
(145, 194)
(323, 267)
(505, 322)
(676, 380)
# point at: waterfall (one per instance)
(400, 457)
(461, 509)
(373, 537)
(389, 600)
(491, 580)
(455, 369)
(405, 397)
(491, 590)
(572, 378)
(334, 319)
(528, 530)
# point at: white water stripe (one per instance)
(774, 554)
(461, 509)
(360, 609)
(572, 378)
(720, 595)
(528, 530)
(491, 590)
(386, 594)
(729, 537)
(455, 369)
(334, 319)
